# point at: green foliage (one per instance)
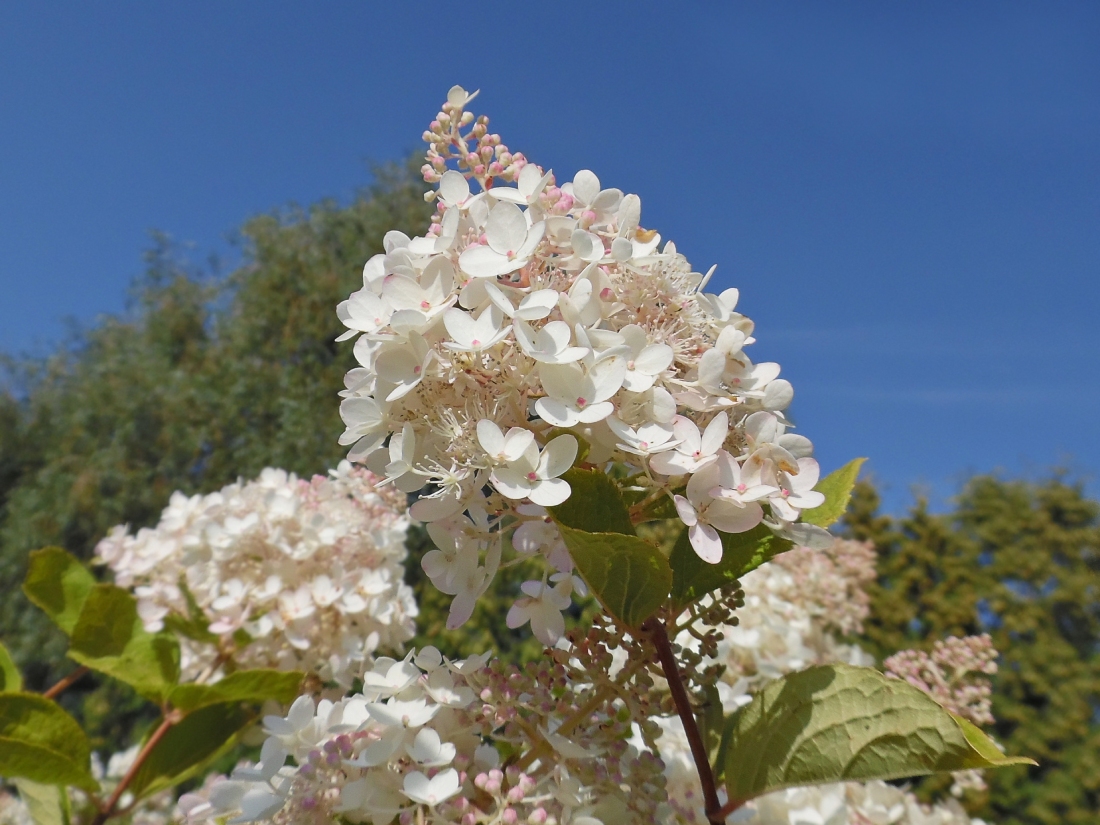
(1020, 561)
(46, 804)
(627, 574)
(243, 686)
(10, 678)
(204, 380)
(110, 637)
(59, 584)
(837, 488)
(188, 746)
(595, 504)
(40, 742)
(693, 578)
(836, 722)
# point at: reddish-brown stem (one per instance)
(66, 682)
(729, 808)
(108, 808)
(680, 697)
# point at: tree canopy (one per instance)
(1020, 561)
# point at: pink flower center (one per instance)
(532, 476)
(475, 343)
(741, 488)
(785, 492)
(581, 402)
(425, 305)
(416, 370)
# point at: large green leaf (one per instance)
(594, 505)
(837, 722)
(628, 575)
(58, 583)
(242, 686)
(40, 742)
(109, 637)
(47, 804)
(837, 488)
(188, 746)
(693, 578)
(10, 677)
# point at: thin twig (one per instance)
(108, 809)
(66, 682)
(687, 716)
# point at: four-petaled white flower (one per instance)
(705, 515)
(534, 475)
(550, 345)
(693, 450)
(646, 361)
(510, 241)
(579, 396)
(542, 606)
(473, 335)
(441, 787)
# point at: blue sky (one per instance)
(907, 194)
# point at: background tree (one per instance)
(202, 381)
(1020, 561)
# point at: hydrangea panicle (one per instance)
(532, 306)
(288, 573)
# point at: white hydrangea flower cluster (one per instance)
(795, 607)
(419, 744)
(534, 314)
(288, 573)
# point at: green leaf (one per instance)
(111, 638)
(594, 506)
(241, 686)
(11, 680)
(837, 488)
(58, 583)
(47, 804)
(188, 746)
(661, 508)
(40, 742)
(693, 578)
(835, 723)
(629, 576)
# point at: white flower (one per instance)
(646, 361)
(576, 396)
(705, 515)
(693, 450)
(534, 475)
(532, 307)
(470, 335)
(398, 714)
(404, 365)
(530, 184)
(542, 606)
(501, 448)
(551, 344)
(796, 490)
(427, 749)
(648, 439)
(595, 205)
(431, 792)
(510, 241)
(363, 312)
